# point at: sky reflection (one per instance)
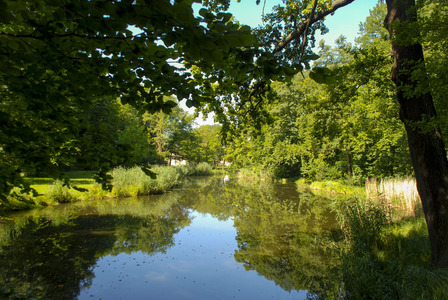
(200, 265)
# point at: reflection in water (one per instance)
(255, 241)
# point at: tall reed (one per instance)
(60, 193)
(385, 260)
(398, 193)
(133, 181)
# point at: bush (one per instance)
(203, 169)
(133, 181)
(60, 193)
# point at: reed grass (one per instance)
(134, 182)
(398, 193)
(382, 259)
(60, 193)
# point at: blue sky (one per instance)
(345, 21)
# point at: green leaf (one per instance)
(148, 172)
(311, 57)
(289, 71)
(322, 75)
(203, 12)
(79, 189)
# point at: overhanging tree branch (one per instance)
(335, 5)
(305, 33)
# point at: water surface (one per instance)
(205, 240)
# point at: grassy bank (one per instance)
(331, 188)
(386, 259)
(125, 183)
(386, 253)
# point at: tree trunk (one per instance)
(349, 159)
(425, 140)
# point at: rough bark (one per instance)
(425, 142)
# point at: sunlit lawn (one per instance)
(81, 179)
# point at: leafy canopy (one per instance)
(59, 57)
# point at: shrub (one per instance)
(133, 181)
(203, 169)
(60, 193)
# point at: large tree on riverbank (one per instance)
(417, 112)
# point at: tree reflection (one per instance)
(288, 241)
(53, 257)
(284, 236)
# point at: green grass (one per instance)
(383, 259)
(331, 187)
(126, 182)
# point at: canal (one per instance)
(208, 239)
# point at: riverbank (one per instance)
(332, 188)
(126, 182)
(386, 250)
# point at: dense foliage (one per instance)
(60, 58)
(348, 128)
